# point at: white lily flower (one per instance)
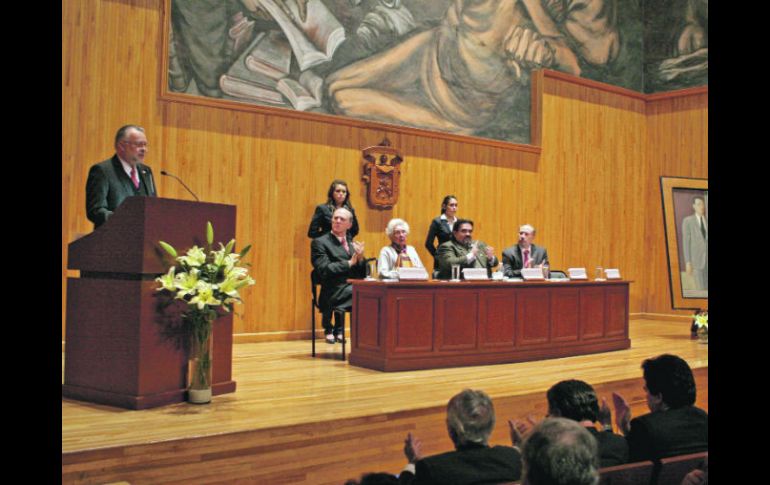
(205, 296)
(194, 258)
(167, 280)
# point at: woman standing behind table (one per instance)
(338, 196)
(441, 227)
(398, 254)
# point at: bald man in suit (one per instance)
(524, 254)
(124, 175)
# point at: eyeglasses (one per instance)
(140, 144)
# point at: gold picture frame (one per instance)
(685, 214)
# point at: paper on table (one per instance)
(577, 274)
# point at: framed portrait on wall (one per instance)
(685, 215)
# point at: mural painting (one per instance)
(455, 66)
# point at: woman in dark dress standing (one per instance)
(441, 227)
(338, 196)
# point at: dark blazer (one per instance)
(439, 228)
(469, 464)
(108, 185)
(321, 223)
(513, 261)
(613, 448)
(668, 433)
(452, 252)
(330, 261)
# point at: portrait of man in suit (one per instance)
(693, 241)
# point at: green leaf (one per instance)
(209, 233)
(229, 247)
(244, 251)
(169, 248)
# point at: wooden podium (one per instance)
(118, 349)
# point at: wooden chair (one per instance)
(314, 283)
(671, 471)
(640, 473)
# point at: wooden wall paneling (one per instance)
(592, 191)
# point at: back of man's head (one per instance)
(559, 451)
(470, 417)
(573, 399)
(671, 377)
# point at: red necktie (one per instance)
(526, 257)
(134, 177)
(345, 244)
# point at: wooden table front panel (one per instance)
(421, 325)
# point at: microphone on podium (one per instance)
(163, 172)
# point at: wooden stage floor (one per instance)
(295, 419)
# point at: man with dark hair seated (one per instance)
(577, 400)
(560, 451)
(470, 420)
(674, 426)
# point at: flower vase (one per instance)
(199, 371)
(703, 335)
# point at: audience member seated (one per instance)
(463, 251)
(674, 425)
(375, 479)
(576, 400)
(398, 254)
(470, 420)
(559, 451)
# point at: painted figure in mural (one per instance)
(454, 76)
(203, 40)
(676, 44)
(695, 243)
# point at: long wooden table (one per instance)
(429, 324)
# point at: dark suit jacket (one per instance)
(439, 228)
(613, 448)
(513, 260)
(452, 252)
(321, 223)
(330, 261)
(109, 185)
(469, 464)
(663, 434)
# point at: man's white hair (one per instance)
(342, 209)
(395, 223)
(527, 228)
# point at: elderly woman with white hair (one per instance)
(398, 254)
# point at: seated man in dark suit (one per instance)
(463, 251)
(576, 400)
(124, 175)
(524, 254)
(336, 257)
(674, 426)
(470, 420)
(559, 450)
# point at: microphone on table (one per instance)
(163, 172)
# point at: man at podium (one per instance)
(124, 175)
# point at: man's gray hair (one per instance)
(527, 228)
(470, 415)
(560, 451)
(349, 215)
(395, 223)
(121, 134)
